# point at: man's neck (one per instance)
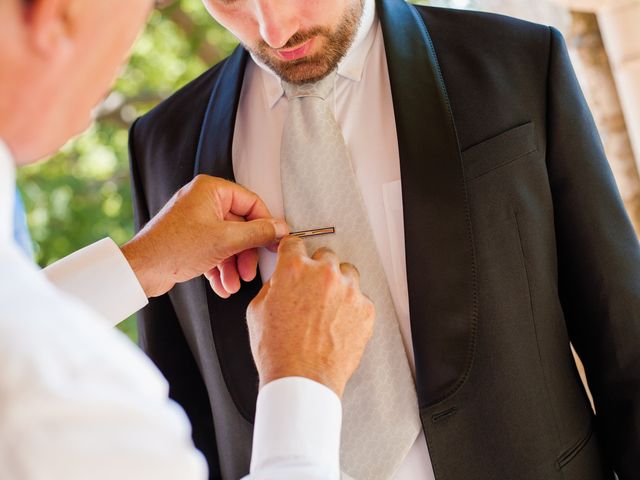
(367, 20)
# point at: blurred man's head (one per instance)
(59, 58)
(301, 40)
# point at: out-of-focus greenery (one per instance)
(82, 194)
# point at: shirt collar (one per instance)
(350, 67)
(7, 193)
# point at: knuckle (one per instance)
(194, 186)
(183, 190)
(352, 298)
(296, 262)
(325, 254)
(369, 308)
(288, 242)
(242, 235)
(330, 274)
(252, 309)
(200, 179)
(291, 265)
(265, 229)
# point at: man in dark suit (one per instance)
(516, 240)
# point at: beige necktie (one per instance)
(320, 189)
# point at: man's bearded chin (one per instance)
(335, 44)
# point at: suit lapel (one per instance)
(227, 317)
(213, 156)
(439, 245)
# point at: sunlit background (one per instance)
(83, 193)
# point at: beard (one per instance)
(315, 67)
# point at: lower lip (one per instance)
(296, 53)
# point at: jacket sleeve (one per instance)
(598, 264)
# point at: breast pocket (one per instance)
(496, 152)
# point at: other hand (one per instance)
(310, 319)
(210, 226)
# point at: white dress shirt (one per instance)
(78, 401)
(363, 107)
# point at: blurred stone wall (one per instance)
(540, 11)
(594, 73)
(596, 77)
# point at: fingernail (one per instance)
(282, 229)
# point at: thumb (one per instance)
(240, 236)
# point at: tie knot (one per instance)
(321, 88)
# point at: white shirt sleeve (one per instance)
(297, 432)
(100, 277)
(78, 401)
(298, 421)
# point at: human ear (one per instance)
(48, 26)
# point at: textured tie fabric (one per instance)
(20, 230)
(320, 189)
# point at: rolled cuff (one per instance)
(300, 420)
(100, 277)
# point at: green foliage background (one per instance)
(82, 194)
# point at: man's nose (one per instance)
(278, 21)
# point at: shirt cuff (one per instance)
(100, 276)
(297, 419)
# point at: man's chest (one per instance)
(364, 111)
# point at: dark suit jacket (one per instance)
(517, 242)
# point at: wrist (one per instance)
(144, 265)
